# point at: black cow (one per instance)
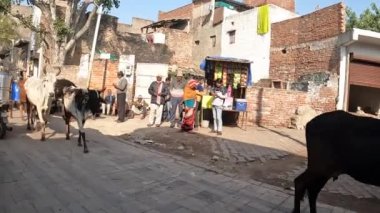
(60, 84)
(80, 104)
(338, 143)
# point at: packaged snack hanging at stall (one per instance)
(224, 78)
(237, 78)
(243, 80)
(218, 71)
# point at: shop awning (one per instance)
(228, 59)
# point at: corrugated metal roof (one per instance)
(166, 23)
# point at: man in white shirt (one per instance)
(121, 90)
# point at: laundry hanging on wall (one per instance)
(263, 20)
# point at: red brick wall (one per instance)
(307, 44)
(286, 4)
(184, 12)
(98, 74)
(275, 107)
(324, 100)
(110, 75)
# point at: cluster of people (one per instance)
(176, 100)
(179, 102)
(119, 106)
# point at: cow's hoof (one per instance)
(29, 128)
(85, 151)
(67, 137)
(43, 139)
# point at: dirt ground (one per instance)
(198, 147)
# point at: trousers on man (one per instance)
(155, 114)
(121, 106)
(175, 102)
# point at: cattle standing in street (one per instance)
(60, 84)
(338, 143)
(40, 93)
(80, 104)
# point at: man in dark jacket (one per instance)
(158, 91)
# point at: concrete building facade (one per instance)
(248, 44)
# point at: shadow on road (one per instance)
(234, 158)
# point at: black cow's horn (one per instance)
(59, 68)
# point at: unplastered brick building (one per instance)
(303, 53)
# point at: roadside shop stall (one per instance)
(236, 77)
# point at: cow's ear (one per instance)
(68, 89)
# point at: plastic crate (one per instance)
(241, 105)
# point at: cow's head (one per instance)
(95, 101)
(48, 81)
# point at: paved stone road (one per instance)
(55, 176)
(259, 144)
(274, 144)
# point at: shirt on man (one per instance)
(122, 85)
(176, 88)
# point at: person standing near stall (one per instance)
(219, 93)
(200, 92)
(190, 102)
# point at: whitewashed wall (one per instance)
(145, 74)
(248, 44)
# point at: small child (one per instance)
(110, 100)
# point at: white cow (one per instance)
(40, 93)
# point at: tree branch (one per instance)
(75, 11)
(81, 14)
(53, 10)
(80, 33)
(69, 12)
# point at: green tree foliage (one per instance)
(59, 28)
(8, 30)
(369, 19)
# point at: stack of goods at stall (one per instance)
(243, 79)
(231, 74)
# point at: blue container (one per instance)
(15, 95)
(241, 105)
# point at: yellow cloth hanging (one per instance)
(263, 22)
(207, 101)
